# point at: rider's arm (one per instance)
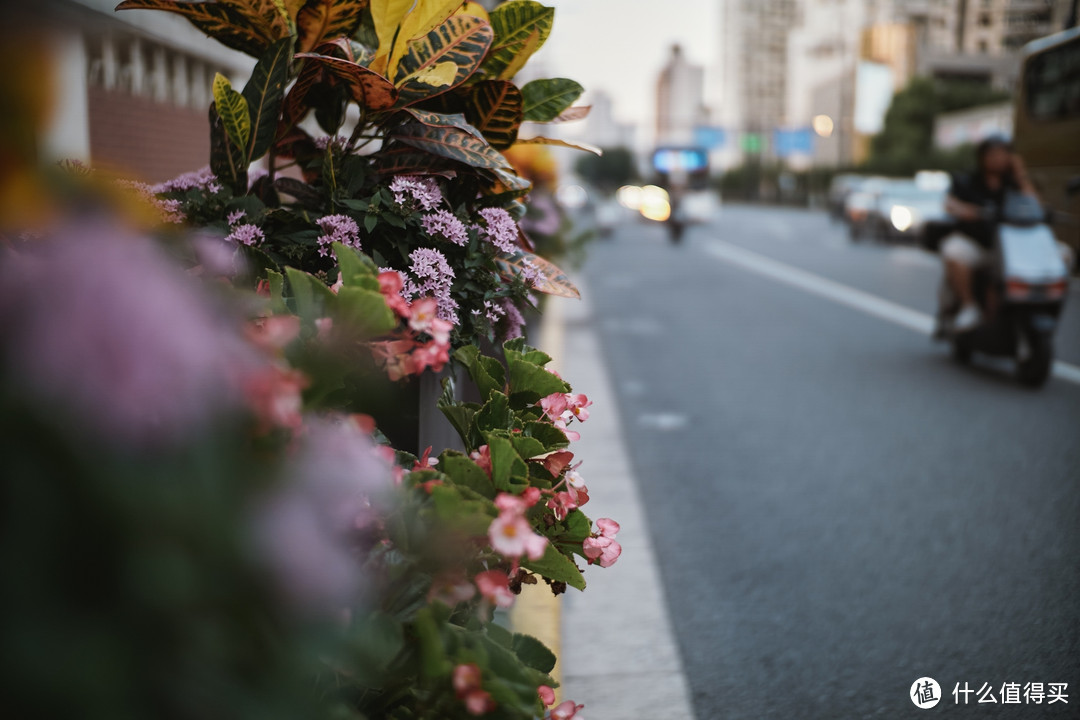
(1020, 175)
(961, 210)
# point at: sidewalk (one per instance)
(619, 655)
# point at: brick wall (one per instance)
(145, 138)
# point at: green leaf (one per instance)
(356, 268)
(277, 287)
(263, 95)
(462, 40)
(519, 350)
(366, 310)
(471, 517)
(495, 414)
(466, 473)
(451, 143)
(495, 108)
(528, 447)
(556, 566)
(233, 109)
(487, 373)
(377, 641)
(533, 653)
(505, 462)
(521, 28)
(544, 100)
(312, 297)
(434, 662)
(547, 434)
(227, 159)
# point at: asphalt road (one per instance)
(839, 509)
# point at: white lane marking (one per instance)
(664, 422)
(844, 294)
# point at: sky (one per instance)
(621, 45)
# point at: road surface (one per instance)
(838, 508)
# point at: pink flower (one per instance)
(512, 536)
(275, 396)
(390, 285)
(432, 355)
(571, 435)
(423, 314)
(479, 702)
(578, 404)
(556, 462)
(274, 333)
(603, 550)
(561, 504)
(565, 711)
(494, 586)
(466, 680)
(451, 590)
(554, 405)
(482, 457)
(547, 695)
(395, 357)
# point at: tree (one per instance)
(906, 143)
(610, 171)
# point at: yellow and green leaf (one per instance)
(495, 109)
(545, 100)
(388, 15)
(226, 24)
(521, 28)
(233, 109)
(462, 40)
(425, 16)
(561, 143)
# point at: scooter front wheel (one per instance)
(1034, 370)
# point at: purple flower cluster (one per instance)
(445, 224)
(514, 321)
(500, 230)
(337, 229)
(304, 531)
(235, 216)
(201, 179)
(530, 273)
(432, 276)
(169, 210)
(146, 364)
(493, 312)
(246, 234)
(326, 141)
(423, 191)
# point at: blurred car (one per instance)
(839, 189)
(860, 205)
(903, 208)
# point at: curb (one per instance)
(537, 612)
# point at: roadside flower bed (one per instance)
(201, 413)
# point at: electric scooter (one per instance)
(1021, 293)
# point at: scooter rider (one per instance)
(998, 171)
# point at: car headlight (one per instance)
(902, 218)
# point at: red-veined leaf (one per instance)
(368, 88)
(452, 143)
(561, 143)
(552, 280)
(321, 20)
(495, 110)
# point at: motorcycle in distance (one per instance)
(1020, 294)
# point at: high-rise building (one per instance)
(602, 128)
(680, 100)
(752, 68)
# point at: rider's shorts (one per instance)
(963, 250)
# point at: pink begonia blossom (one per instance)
(556, 462)
(246, 234)
(466, 680)
(603, 549)
(390, 285)
(451, 590)
(482, 457)
(395, 357)
(432, 355)
(494, 586)
(578, 405)
(554, 405)
(424, 314)
(273, 333)
(512, 536)
(547, 695)
(565, 711)
(571, 435)
(337, 229)
(500, 229)
(147, 362)
(445, 224)
(275, 395)
(303, 528)
(423, 191)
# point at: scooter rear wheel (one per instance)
(1034, 371)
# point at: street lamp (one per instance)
(823, 125)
